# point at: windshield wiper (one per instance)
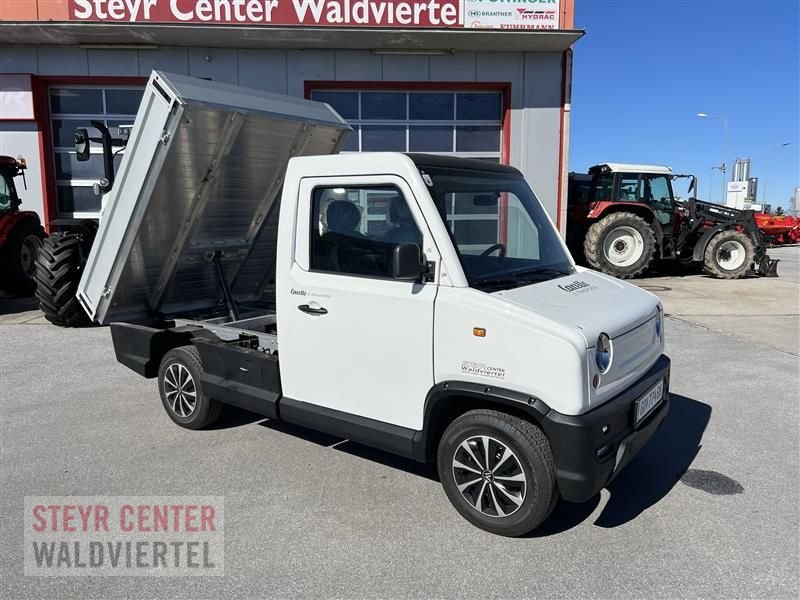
(523, 277)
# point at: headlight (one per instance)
(659, 321)
(603, 352)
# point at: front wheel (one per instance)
(497, 470)
(729, 255)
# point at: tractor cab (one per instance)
(9, 169)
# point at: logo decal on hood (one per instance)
(578, 287)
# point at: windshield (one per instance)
(499, 229)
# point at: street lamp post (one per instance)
(764, 196)
(723, 168)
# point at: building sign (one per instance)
(438, 14)
(511, 14)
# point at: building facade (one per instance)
(487, 79)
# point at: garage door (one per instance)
(457, 123)
(76, 106)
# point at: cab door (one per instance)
(352, 338)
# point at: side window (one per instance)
(602, 188)
(656, 189)
(5, 194)
(354, 230)
(629, 189)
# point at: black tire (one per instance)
(18, 258)
(530, 456)
(177, 398)
(729, 255)
(625, 225)
(58, 271)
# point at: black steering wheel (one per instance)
(494, 247)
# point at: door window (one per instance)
(354, 230)
(629, 188)
(5, 194)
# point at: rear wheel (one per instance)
(18, 258)
(497, 470)
(621, 244)
(181, 389)
(59, 265)
(729, 255)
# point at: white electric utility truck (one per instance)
(422, 305)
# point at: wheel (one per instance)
(729, 255)
(621, 244)
(18, 258)
(59, 265)
(497, 470)
(182, 392)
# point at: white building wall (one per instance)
(535, 79)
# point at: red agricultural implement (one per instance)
(782, 229)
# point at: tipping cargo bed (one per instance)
(195, 200)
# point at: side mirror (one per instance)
(407, 262)
(82, 144)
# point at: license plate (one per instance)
(646, 404)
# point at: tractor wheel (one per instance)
(621, 244)
(58, 271)
(18, 258)
(729, 255)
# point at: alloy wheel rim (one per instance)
(180, 390)
(623, 246)
(489, 476)
(730, 255)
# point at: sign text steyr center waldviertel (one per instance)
(440, 14)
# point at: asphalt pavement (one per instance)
(708, 509)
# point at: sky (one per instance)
(645, 68)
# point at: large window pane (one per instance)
(123, 102)
(383, 105)
(431, 106)
(351, 143)
(383, 138)
(479, 107)
(78, 101)
(77, 199)
(478, 139)
(430, 139)
(68, 167)
(345, 103)
(64, 132)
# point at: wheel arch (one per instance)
(142, 348)
(449, 400)
(704, 240)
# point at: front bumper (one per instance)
(576, 440)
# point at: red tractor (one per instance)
(622, 217)
(21, 233)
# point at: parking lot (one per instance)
(708, 509)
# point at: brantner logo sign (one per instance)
(445, 14)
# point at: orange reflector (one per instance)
(478, 332)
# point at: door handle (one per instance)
(313, 311)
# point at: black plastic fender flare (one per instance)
(702, 243)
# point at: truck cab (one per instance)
(343, 292)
